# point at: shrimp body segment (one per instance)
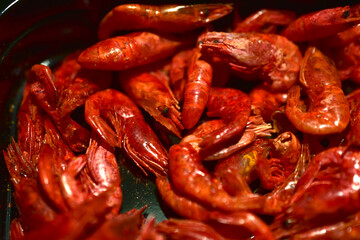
(132, 50)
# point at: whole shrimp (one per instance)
(328, 111)
(147, 90)
(197, 89)
(270, 57)
(97, 172)
(322, 23)
(164, 18)
(131, 50)
(129, 130)
(327, 191)
(265, 21)
(46, 94)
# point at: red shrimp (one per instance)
(265, 21)
(233, 107)
(322, 23)
(101, 174)
(197, 90)
(33, 208)
(327, 191)
(328, 111)
(129, 51)
(46, 94)
(149, 92)
(270, 57)
(75, 224)
(129, 130)
(164, 18)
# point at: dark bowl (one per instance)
(42, 31)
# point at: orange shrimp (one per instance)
(322, 23)
(197, 90)
(265, 21)
(233, 107)
(129, 51)
(270, 57)
(130, 132)
(149, 92)
(164, 18)
(328, 110)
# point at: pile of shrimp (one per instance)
(250, 131)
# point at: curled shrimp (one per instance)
(148, 91)
(131, 50)
(164, 18)
(270, 57)
(197, 90)
(328, 111)
(322, 23)
(129, 130)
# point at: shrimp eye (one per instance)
(165, 111)
(216, 41)
(205, 12)
(346, 14)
